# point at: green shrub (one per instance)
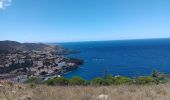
(77, 81)
(107, 82)
(145, 80)
(61, 81)
(122, 80)
(97, 81)
(100, 81)
(160, 79)
(50, 82)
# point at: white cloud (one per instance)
(5, 3)
(1, 6)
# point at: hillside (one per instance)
(20, 60)
(13, 47)
(10, 91)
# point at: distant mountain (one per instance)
(13, 47)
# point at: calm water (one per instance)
(130, 58)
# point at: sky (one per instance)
(83, 20)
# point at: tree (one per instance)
(155, 73)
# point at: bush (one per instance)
(122, 80)
(160, 79)
(77, 81)
(61, 81)
(100, 81)
(58, 81)
(107, 82)
(50, 82)
(97, 81)
(145, 80)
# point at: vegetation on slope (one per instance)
(10, 91)
(155, 78)
(76, 88)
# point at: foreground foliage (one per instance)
(106, 81)
(11, 91)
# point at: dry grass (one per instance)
(9, 91)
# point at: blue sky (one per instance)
(83, 20)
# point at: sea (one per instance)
(129, 58)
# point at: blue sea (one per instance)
(120, 57)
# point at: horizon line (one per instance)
(88, 40)
(108, 40)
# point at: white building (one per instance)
(62, 64)
(40, 63)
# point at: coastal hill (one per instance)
(20, 60)
(13, 47)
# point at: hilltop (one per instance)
(13, 47)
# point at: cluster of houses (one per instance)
(37, 63)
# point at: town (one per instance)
(44, 64)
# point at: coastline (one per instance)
(19, 61)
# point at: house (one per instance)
(40, 63)
(56, 61)
(21, 61)
(61, 64)
(7, 65)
